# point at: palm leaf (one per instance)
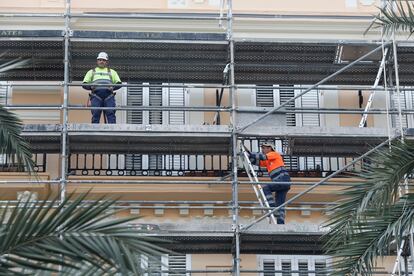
(398, 16)
(11, 142)
(359, 226)
(44, 236)
(372, 236)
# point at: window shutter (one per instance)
(155, 264)
(264, 96)
(286, 92)
(286, 268)
(3, 94)
(176, 97)
(134, 98)
(310, 100)
(155, 99)
(152, 265)
(155, 162)
(394, 104)
(269, 267)
(320, 268)
(177, 262)
(302, 265)
(303, 268)
(155, 118)
(133, 162)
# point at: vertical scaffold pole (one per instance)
(64, 154)
(235, 188)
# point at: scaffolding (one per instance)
(227, 137)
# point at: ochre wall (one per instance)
(243, 6)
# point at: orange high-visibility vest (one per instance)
(274, 160)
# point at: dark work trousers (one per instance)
(103, 98)
(281, 191)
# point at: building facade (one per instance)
(196, 75)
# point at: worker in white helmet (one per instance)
(273, 161)
(100, 81)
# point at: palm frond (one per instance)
(378, 197)
(11, 142)
(371, 236)
(398, 16)
(73, 235)
(13, 64)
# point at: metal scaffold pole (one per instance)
(235, 188)
(64, 154)
(397, 84)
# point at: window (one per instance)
(272, 96)
(155, 96)
(165, 265)
(298, 265)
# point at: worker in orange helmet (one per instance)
(273, 161)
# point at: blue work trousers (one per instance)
(279, 198)
(103, 98)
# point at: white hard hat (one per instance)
(103, 55)
(268, 145)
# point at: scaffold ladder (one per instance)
(372, 94)
(258, 190)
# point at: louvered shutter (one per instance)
(264, 96)
(155, 99)
(410, 264)
(269, 267)
(394, 104)
(286, 268)
(155, 118)
(154, 266)
(320, 268)
(179, 263)
(134, 98)
(303, 268)
(286, 92)
(133, 162)
(176, 97)
(410, 105)
(301, 265)
(151, 264)
(310, 100)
